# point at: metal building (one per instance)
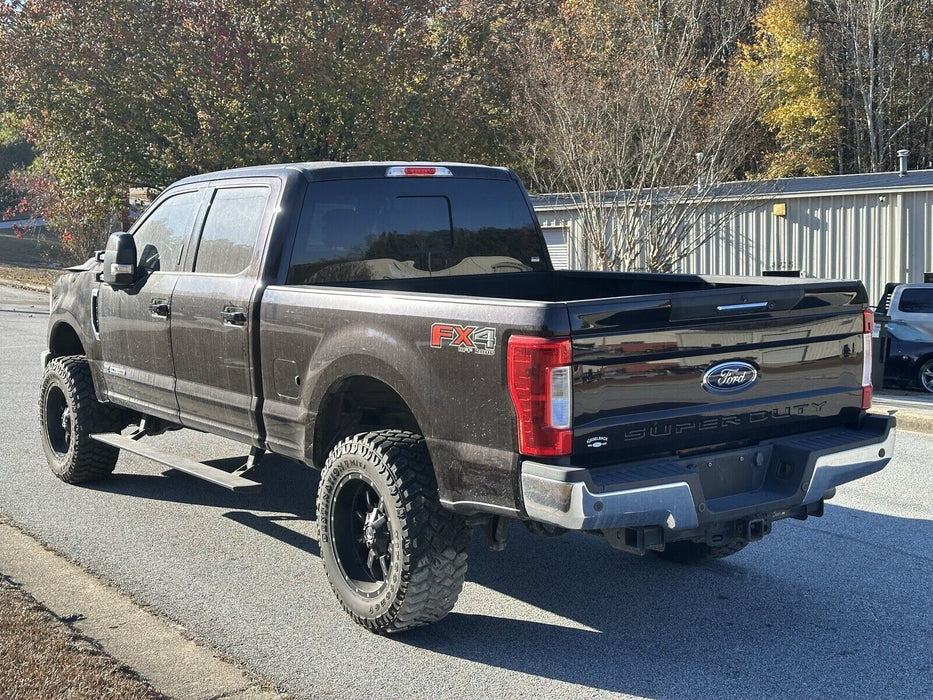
(876, 227)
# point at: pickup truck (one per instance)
(904, 324)
(400, 327)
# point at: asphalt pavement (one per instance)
(839, 605)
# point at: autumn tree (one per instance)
(633, 108)
(783, 61)
(117, 94)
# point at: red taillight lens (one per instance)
(418, 171)
(538, 373)
(868, 324)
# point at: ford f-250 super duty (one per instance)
(401, 328)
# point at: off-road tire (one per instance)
(425, 560)
(69, 413)
(687, 552)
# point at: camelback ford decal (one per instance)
(481, 341)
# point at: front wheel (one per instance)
(69, 413)
(925, 376)
(393, 555)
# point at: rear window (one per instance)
(916, 301)
(354, 230)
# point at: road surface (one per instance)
(836, 606)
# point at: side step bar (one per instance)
(182, 464)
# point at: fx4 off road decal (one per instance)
(481, 341)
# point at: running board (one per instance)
(182, 464)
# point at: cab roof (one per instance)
(332, 170)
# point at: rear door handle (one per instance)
(159, 308)
(233, 316)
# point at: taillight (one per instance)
(539, 378)
(868, 324)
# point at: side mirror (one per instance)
(119, 261)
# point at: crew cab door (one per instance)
(135, 322)
(212, 306)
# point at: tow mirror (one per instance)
(119, 261)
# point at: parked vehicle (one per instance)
(905, 313)
(401, 328)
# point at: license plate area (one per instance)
(732, 473)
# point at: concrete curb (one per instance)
(157, 649)
(910, 421)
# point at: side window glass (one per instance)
(231, 229)
(917, 301)
(159, 239)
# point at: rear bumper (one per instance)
(685, 493)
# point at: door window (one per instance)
(161, 237)
(231, 230)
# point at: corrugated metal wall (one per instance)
(877, 237)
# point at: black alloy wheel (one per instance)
(361, 536)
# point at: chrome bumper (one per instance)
(562, 496)
(841, 467)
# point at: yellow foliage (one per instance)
(783, 61)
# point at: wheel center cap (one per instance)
(369, 535)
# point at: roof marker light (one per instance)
(418, 171)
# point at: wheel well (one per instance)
(358, 405)
(65, 341)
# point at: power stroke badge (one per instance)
(475, 339)
(730, 377)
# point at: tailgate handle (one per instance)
(750, 306)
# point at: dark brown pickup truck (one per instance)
(400, 327)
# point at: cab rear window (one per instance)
(354, 230)
(916, 301)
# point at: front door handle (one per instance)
(233, 316)
(159, 308)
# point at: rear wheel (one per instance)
(925, 376)
(687, 552)
(393, 555)
(69, 413)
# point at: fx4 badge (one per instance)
(481, 341)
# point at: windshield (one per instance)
(360, 229)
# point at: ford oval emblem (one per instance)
(729, 377)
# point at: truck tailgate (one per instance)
(668, 374)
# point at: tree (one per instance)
(881, 61)
(15, 154)
(116, 94)
(784, 61)
(626, 103)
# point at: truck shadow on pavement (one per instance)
(288, 494)
(812, 609)
(838, 605)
